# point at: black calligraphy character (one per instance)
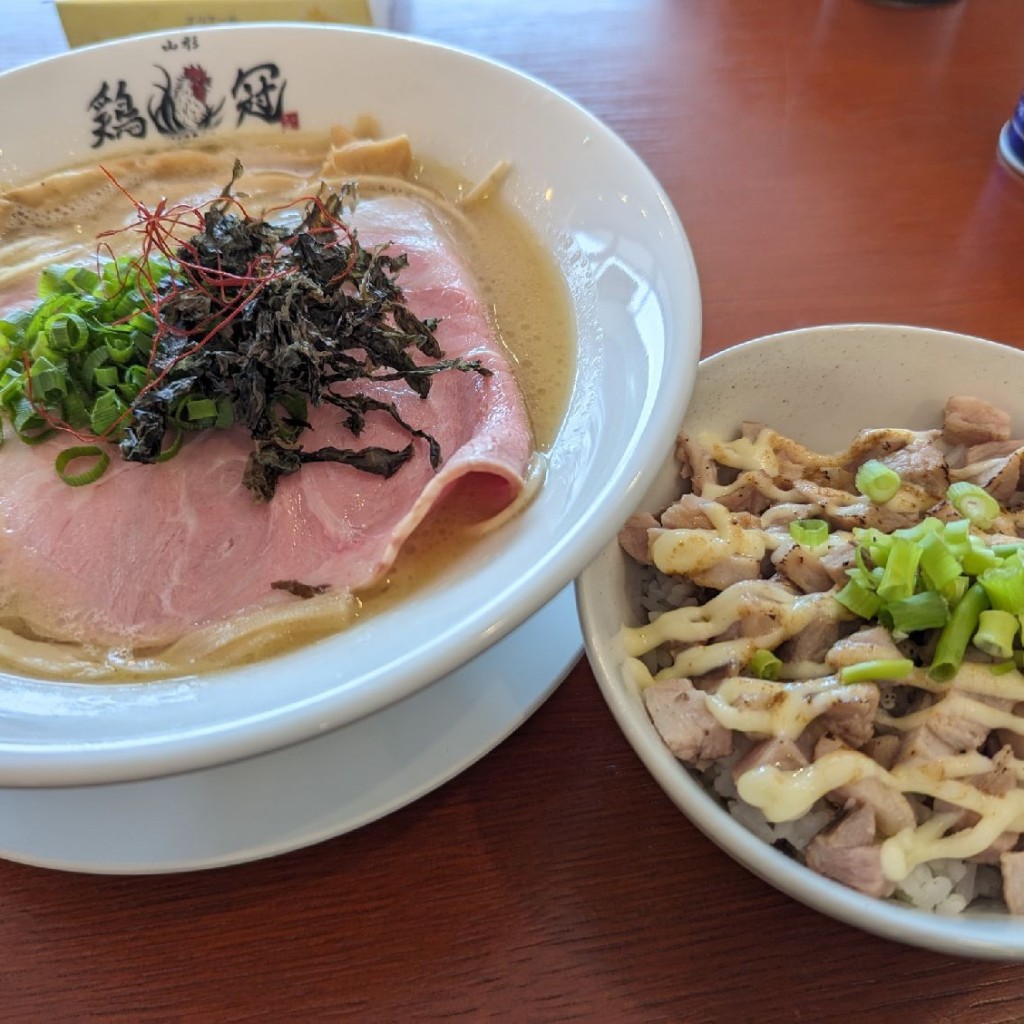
(115, 116)
(257, 94)
(101, 117)
(127, 119)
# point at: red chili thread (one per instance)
(162, 230)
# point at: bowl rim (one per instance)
(34, 764)
(974, 935)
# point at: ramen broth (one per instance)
(58, 221)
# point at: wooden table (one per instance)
(833, 160)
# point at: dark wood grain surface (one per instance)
(832, 160)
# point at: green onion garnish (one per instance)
(875, 480)
(809, 533)
(957, 633)
(900, 576)
(938, 565)
(860, 599)
(996, 633)
(924, 610)
(88, 476)
(764, 665)
(882, 669)
(1004, 585)
(973, 503)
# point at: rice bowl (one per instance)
(791, 382)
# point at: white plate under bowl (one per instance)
(820, 386)
(632, 284)
(300, 795)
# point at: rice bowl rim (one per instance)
(69, 742)
(602, 599)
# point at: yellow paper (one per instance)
(92, 21)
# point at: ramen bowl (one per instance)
(634, 301)
(819, 386)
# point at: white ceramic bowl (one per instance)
(819, 385)
(635, 298)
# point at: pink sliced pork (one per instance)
(138, 557)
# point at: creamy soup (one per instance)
(91, 213)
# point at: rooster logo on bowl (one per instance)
(182, 106)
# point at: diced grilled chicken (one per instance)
(633, 537)
(1014, 740)
(874, 644)
(848, 511)
(968, 420)
(695, 463)
(921, 744)
(991, 450)
(882, 749)
(998, 781)
(727, 571)
(690, 512)
(802, 567)
(813, 642)
(892, 810)
(680, 713)
(779, 751)
(847, 852)
(840, 556)
(747, 495)
(784, 513)
(1001, 477)
(921, 463)
(1012, 866)
(953, 719)
(851, 716)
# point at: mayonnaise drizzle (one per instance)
(765, 614)
(782, 615)
(786, 795)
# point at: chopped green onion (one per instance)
(900, 576)
(938, 566)
(954, 591)
(929, 526)
(49, 380)
(957, 535)
(860, 599)
(1000, 668)
(93, 361)
(200, 409)
(173, 448)
(973, 503)
(875, 480)
(1004, 584)
(809, 533)
(105, 376)
(25, 418)
(882, 669)
(225, 412)
(978, 557)
(88, 476)
(106, 411)
(120, 347)
(996, 633)
(925, 610)
(68, 332)
(764, 665)
(957, 633)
